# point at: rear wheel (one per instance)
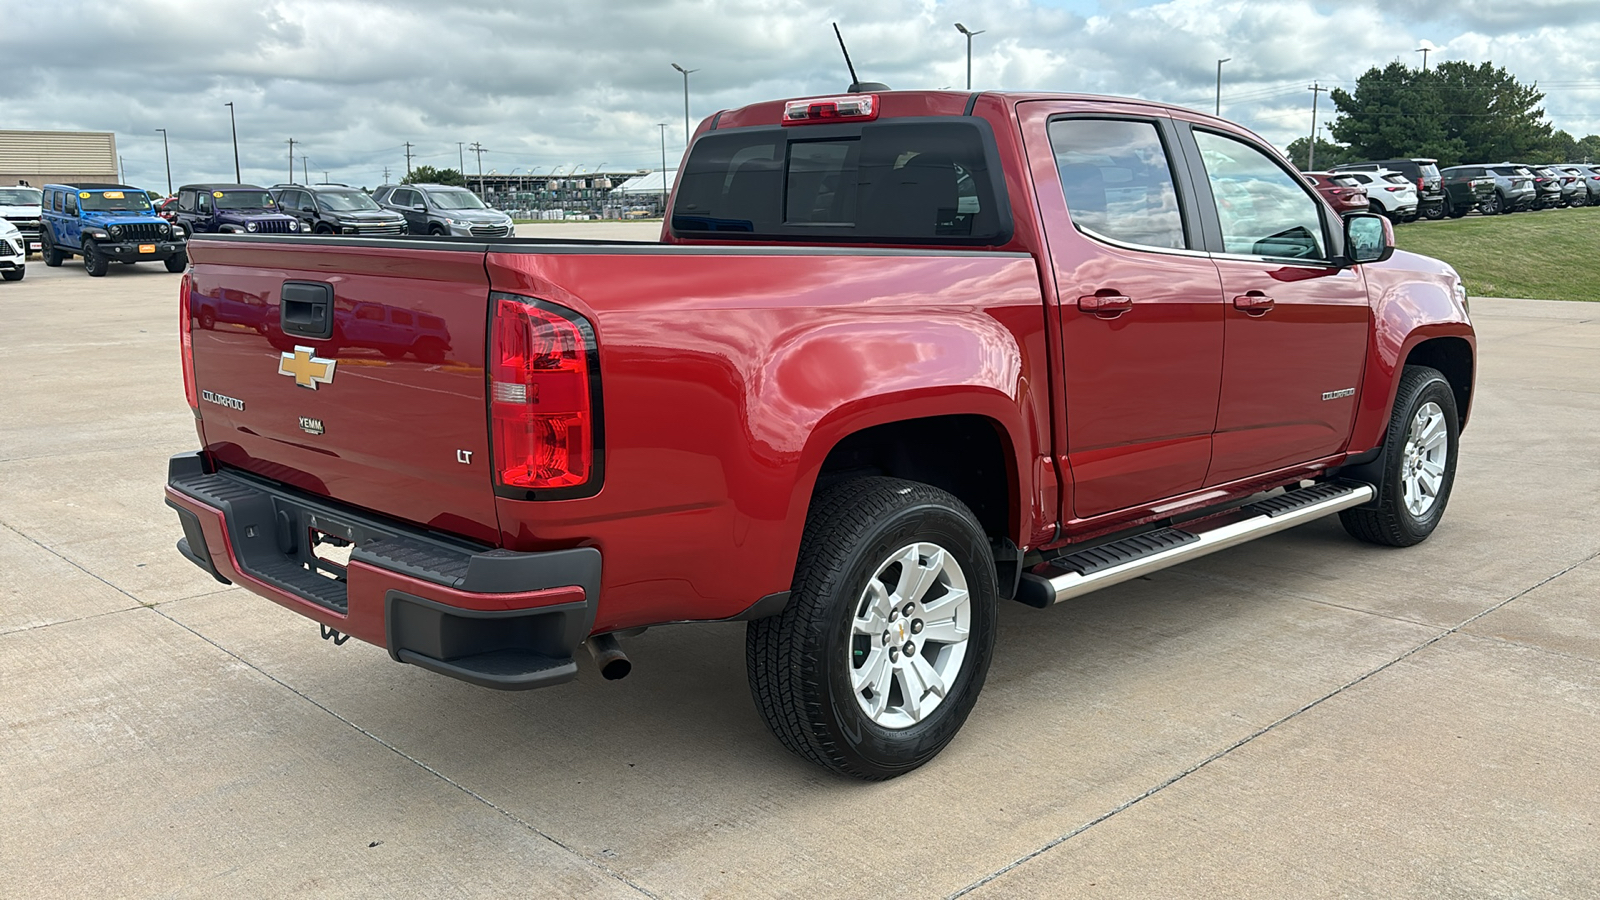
(52, 256)
(877, 659)
(1580, 199)
(94, 262)
(1457, 212)
(1434, 210)
(1492, 205)
(1419, 463)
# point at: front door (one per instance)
(1295, 323)
(1140, 304)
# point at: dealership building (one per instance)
(57, 157)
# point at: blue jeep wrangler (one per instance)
(105, 222)
(231, 209)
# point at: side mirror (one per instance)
(419, 207)
(1368, 238)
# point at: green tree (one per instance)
(430, 175)
(1455, 112)
(1494, 116)
(1328, 155)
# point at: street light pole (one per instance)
(663, 127)
(234, 124)
(970, 35)
(1219, 84)
(685, 100)
(168, 156)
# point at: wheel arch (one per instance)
(1453, 357)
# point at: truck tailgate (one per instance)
(387, 412)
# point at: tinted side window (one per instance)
(1262, 209)
(1118, 182)
(72, 204)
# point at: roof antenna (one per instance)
(856, 85)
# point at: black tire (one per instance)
(323, 228)
(52, 256)
(1434, 210)
(13, 274)
(800, 662)
(1457, 212)
(94, 262)
(1377, 209)
(1493, 205)
(1579, 200)
(436, 230)
(1391, 523)
(177, 262)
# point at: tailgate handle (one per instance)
(306, 309)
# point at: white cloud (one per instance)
(546, 85)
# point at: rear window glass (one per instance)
(1430, 171)
(896, 181)
(1345, 181)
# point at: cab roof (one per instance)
(222, 187)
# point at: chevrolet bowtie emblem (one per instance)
(306, 368)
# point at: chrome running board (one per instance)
(1076, 574)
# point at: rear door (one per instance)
(1295, 323)
(347, 416)
(1141, 303)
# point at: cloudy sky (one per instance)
(583, 84)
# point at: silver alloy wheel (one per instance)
(909, 635)
(1422, 466)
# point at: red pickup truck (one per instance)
(897, 357)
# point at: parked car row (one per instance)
(1408, 189)
(103, 223)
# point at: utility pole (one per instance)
(1316, 90)
(1219, 84)
(234, 124)
(970, 35)
(1424, 52)
(291, 160)
(324, 176)
(663, 127)
(408, 159)
(480, 150)
(385, 174)
(168, 157)
(686, 73)
(304, 164)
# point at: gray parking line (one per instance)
(612, 873)
(1126, 804)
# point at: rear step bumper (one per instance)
(495, 618)
(1079, 573)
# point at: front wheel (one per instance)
(94, 262)
(1419, 463)
(177, 262)
(877, 659)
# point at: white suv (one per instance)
(1389, 193)
(13, 252)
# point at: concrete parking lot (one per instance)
(1302, 717)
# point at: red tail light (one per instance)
(543, 399)
(1420, 188)
(186, 342)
